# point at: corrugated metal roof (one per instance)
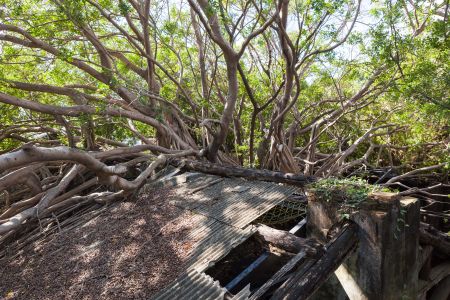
(234, 201)
(213, 240)
(193, 285)
(220, 239)
(227, 206)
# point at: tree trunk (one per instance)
(280, 157)
(255, 174)
(227, 114)
(287, 241)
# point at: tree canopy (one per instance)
(319, 87)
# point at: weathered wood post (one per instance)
(384, 265)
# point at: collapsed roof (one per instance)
(170, 235)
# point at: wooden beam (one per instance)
(278, 277)
(305, 282)
(424, 262)
(431, 236)
(442, 290)
(437, 274)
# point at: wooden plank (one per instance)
(436, 275)
(431, 236)
(279, 275)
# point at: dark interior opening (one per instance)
(236, 261)
(243, 256)
(284, 216)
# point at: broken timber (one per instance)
(431, 236)
(311, 275)
(437, 274)
(279, 276)
(233, 171)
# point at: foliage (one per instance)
(348, 193)
(411, 93)
(351, 190)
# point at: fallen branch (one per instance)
(106, 175)
(20, 206)
(33, 212)
(25, 176)
(139, 181)
(410, 173)
(287, 241)
(31, 154)
(264, 175)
